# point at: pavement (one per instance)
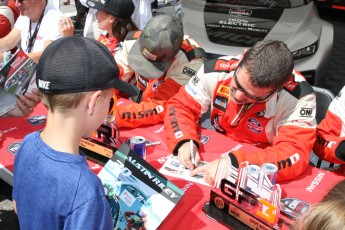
(334, 80)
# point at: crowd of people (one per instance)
(255, 98)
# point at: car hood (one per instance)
(215, 25)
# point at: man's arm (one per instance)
(9, 42)
(182, 115)
(148, 112)
(330, 133)
(152, 108)
(26, 104)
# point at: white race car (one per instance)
(226, 27)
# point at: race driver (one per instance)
(256, 98)
(158, 60)
(330, 133)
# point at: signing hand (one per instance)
(215, 171)
(209, 171)
(66, 26)
(26, 104)
(184, 155)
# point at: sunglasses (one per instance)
(255, 98)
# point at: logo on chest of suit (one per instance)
(155, 85)
(37, 120)
(142, 81)
(188, 71)
(254, 125)
(13, 148)
(220, 103)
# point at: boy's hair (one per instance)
(91, 67)
(327, 214)
(62, 102)
(269, 63)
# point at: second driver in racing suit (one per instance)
(256, 98)
(158, 60)
(330, 133)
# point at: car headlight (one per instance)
(305, 52)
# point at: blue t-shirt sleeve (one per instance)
(94, 214)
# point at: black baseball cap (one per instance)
(117, 8)
(155, 49)
(77, 64)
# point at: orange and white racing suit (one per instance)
(283, 126)
(150, 106)
(330, 133)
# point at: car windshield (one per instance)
(264, 3)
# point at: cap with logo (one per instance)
(118, 8)
(91, 67)
(155, 49)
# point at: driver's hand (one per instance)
(184, 155)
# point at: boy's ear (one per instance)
(93, 99)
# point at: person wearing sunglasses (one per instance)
(114, 18)
(36, 27)
(255, 98)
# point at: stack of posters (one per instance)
(17, 77)
(140, 197)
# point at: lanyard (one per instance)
(31, 39)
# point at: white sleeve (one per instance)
(83, 2)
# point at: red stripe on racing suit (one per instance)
(283, 126)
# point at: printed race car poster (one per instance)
(135, 189)
(17, 76)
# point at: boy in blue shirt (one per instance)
(53, 188)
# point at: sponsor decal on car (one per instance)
(240, 12)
